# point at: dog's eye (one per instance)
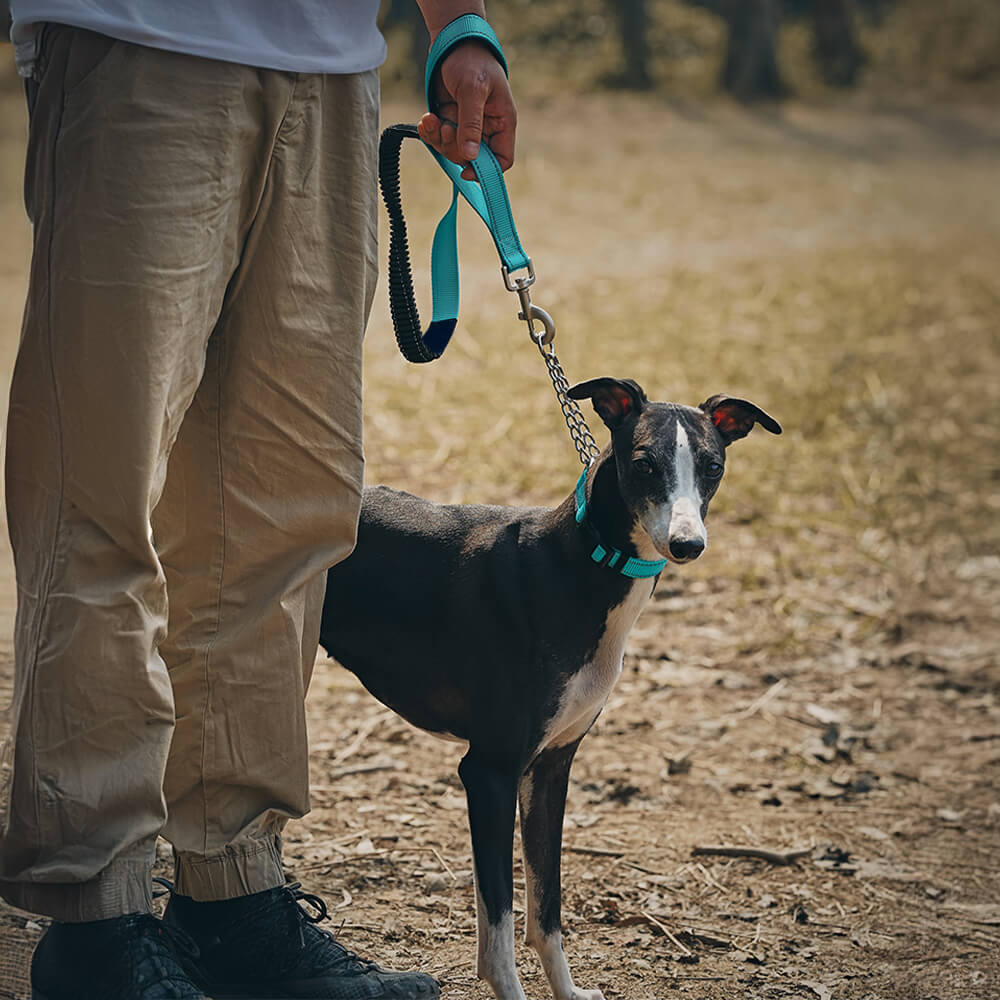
(714, 470)
(643, 466)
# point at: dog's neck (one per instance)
(606, 510)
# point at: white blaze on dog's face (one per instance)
(680, 452)
(670, 473)
(674, 525)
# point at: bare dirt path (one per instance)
(825, 678)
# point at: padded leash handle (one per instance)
(487, 195)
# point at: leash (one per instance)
(488, 197)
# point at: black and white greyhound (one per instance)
(505, 628)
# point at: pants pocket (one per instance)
(85, 54)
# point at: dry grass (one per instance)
(838, 269)
(842, 269)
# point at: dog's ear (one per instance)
(734, 418)
(615, 399)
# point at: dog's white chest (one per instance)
(588, 689)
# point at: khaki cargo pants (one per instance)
(204, 262)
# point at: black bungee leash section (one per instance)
(413, 344)
(487, 195)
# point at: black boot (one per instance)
(267, 946)
(124, 958)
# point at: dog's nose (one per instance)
(684, 550)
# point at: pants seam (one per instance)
(236, 279)
(210, 645)
(46, 587)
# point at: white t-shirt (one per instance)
(299, 36)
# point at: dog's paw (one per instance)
(579, 994)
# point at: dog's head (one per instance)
(670, 458)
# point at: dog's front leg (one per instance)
(491, 791)
(543, 800)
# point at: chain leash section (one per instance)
(583, 440)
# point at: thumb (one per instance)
(471, 103)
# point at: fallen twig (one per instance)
(343, 772)
(444, 864)
(600, 852)
(363, 733)
(710, 940)
(666, 930)
(759, 853)
(711, 882)
(767, 696)
(641, 868)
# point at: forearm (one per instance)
(438, 13)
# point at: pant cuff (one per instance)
(123, 887)
(234, 870)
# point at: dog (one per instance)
(505, 628)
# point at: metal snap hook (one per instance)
(529, 311)
(547, 334)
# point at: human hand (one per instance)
(474, 103)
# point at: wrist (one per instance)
(437, 16)
(464, 28)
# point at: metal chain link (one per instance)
(583, 440)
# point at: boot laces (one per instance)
(311, 910)
(310, 899)
(342, 960)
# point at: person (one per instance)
(184, 462)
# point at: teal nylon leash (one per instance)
(487, 194)
(488, 197)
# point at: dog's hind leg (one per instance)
(491, 791)
(542, 795)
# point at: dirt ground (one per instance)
(824, 681)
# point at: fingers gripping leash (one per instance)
(488, 197)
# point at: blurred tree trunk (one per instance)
(407, 14)
(635, 44)
(420, 43)
(835, 42)
(751, 69)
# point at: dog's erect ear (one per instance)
(615, 399)
(734, 418)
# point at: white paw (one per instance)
(579, 994)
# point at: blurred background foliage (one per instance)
(752, 49)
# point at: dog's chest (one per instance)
(587, 688)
